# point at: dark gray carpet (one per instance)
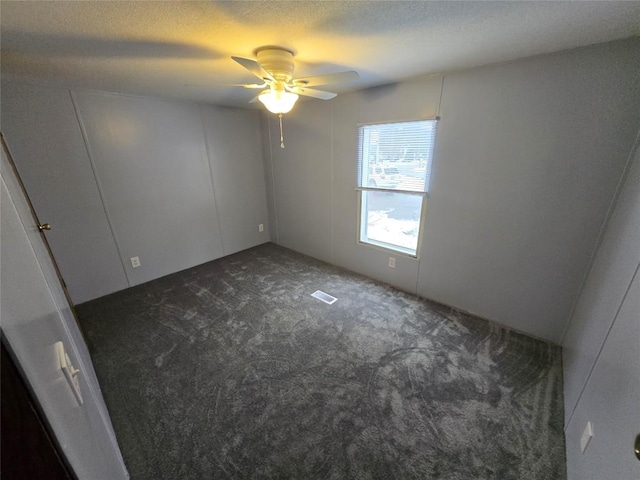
(232, 370)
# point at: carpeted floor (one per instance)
(231, 370)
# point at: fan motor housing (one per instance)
(277, 61)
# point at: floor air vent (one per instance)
(325, 297)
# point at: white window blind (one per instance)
(396, 156)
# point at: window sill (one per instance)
(385, 247)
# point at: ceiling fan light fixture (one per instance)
(278, 101)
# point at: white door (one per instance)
(34, 316)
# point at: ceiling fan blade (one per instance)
(255, 99)
(339, 77)
(218, 85)
(248, 85)
(311, 92)
(254, 67)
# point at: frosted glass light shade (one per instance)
(278, 101)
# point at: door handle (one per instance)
(44, 226)
(636, 447)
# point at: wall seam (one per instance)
(602, 345)
(273, 183)
(332, 159)
(85, 139)
(601, 234)
(425, 213)
(213, 188)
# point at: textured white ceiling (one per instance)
(155, 48)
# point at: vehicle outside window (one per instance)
(384, 177)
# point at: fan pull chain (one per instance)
(281, 136)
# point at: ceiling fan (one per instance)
(274, 66)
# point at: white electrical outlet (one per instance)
(587, 435)
(261, 227)
(135, 262)
(392, 262)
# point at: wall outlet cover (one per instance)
(587, 435)
(392, 262)
(135, 262)
(261, 227)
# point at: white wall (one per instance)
(527, 160)
(151, 165)
(43, 135)
(33, 320)
(234, 145)
(601, 350)
(175, 183)
(303, 181)
(314, 176)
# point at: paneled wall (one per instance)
(43, 135)
(528, 157)
(234, 146)
(176, 184)
(151, 164)
(314, 176)
(601, 350)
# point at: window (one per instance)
(394, 163)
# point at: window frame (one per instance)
(377, 244)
